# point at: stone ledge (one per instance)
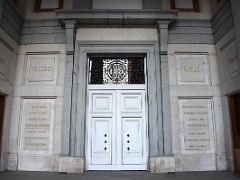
(71, 165)
(162, 164)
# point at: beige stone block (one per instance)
(28, 162)
(221, 162)
(162, 164)
(117, 34)
(3, 162)
(200, 162)
(12, 162)
(71, 165)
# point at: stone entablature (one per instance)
(117, 17)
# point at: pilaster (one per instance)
(165, 162)
(67, 123)
(165, 88)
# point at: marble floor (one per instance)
(118, 175)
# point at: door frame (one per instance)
(232, 116)
(116, 88)
(157, 72)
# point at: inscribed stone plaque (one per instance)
(37, 119)
(230, 58)
(41, 68)
(196, 117)
(192, 69)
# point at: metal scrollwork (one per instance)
(117, 70)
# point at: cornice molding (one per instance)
(121, 17)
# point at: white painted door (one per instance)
(116, 130)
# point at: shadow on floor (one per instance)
(118, 175)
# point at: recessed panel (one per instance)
(41, 68)
(102, 103)
(192, 69)
(37, 124)
(132, 140)
(197, 130)
(131, 103)
(101, 141)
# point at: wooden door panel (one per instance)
(132, 141)
(101, 141)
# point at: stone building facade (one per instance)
(119, 85)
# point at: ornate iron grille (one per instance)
(117, 71)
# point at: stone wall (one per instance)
(11, 20)
(197, 124)
(35, 134)
(42, 32)
(191, 32)
(8, 55)
(225, 29)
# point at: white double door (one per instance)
(117, 130)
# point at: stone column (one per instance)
(165, 161)
(67, 100)
(68, 162)
(165, 92)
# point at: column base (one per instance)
(3, 162)
(71, 165)
(162, 164)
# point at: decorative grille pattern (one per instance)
(117, 70)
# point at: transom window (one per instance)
(124, 70)
(47, 5)
(186, 5)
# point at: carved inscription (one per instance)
(192, 69)
(196, 118)
(41, 68)
(37, 125)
